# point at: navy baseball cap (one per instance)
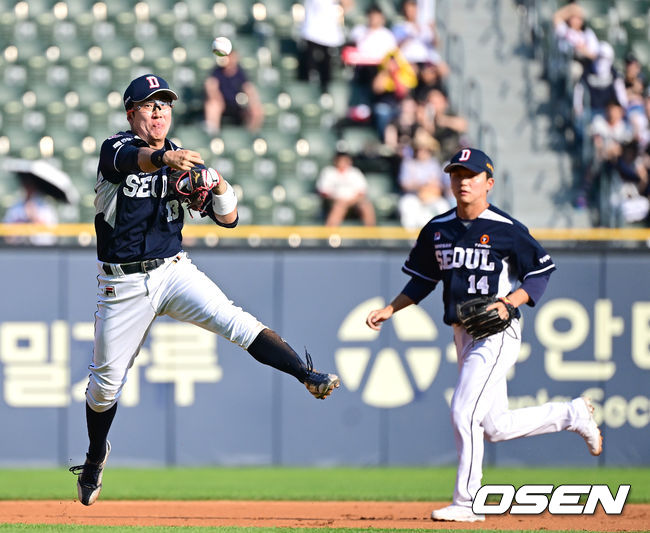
(473, 159)
(145, 87)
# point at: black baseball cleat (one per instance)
(320, 385)
(89, 482)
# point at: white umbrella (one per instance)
(49, 179)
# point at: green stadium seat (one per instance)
(286, 160)
(7, 25)
(283, 215)
(45, 25)
(252, 187)
(36, 69)
(379, 184)
(167, 22)
(12, 113)
(339, 91)
(236, 12)
(265, 168)
(14, 81)
(125, 25)
(121, 67)
(309, 209)
(244, 158)
(629, 9)
(307, 169)
(296, 188)
(288, 124)
(637, 30)
(358, 139)
(263, 209)
(235, 138)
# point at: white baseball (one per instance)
(221, 46)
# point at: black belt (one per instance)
(136, 267)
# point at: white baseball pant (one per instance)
(127, 306)
(479, 406)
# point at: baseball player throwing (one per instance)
(144, 272)
(482, 254)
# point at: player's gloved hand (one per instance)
(193, 186)
(481, 317)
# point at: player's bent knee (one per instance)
(100, 399)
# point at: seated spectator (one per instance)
(416, 38)
(602, 82)
(421, 179)
(614, 156)
(370, 45)
(610, 132)
(344, 186)
(445, 126)
(430, 76)
(394, 79)
(32, 209)
(574, 36)
(231, 97)
(399, 134)
(638, 114)
(322, 32)
(633, 72)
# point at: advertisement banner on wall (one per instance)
(194, 398)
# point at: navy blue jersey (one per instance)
(136, 218)
(487, 257)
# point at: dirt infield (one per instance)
(401, 515)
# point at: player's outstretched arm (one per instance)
(176, 159)
(376, 317)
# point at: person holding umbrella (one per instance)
(39, 180)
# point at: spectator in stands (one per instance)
(393, 82)
(610, 132)
(421, 179)
(230, 96)
(370, 45)
(574, 36)
(445, 126)
(633, 71)
(430, 76)
(399, 134)
(417, 39)
(33, 208)
(639, 119)
(343, 187)
(615, 157)
(322, 32)
(601, 82)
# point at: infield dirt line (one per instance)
(399, 515)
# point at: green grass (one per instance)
(399, 484)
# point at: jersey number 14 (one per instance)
(482, 285)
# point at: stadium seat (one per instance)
(235, 138)
(629, 9)
(359, 139)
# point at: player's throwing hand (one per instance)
(182, 159)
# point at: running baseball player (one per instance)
(144, 272)
(489, 266)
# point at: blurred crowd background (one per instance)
(339, 112)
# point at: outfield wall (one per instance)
(194, 399)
